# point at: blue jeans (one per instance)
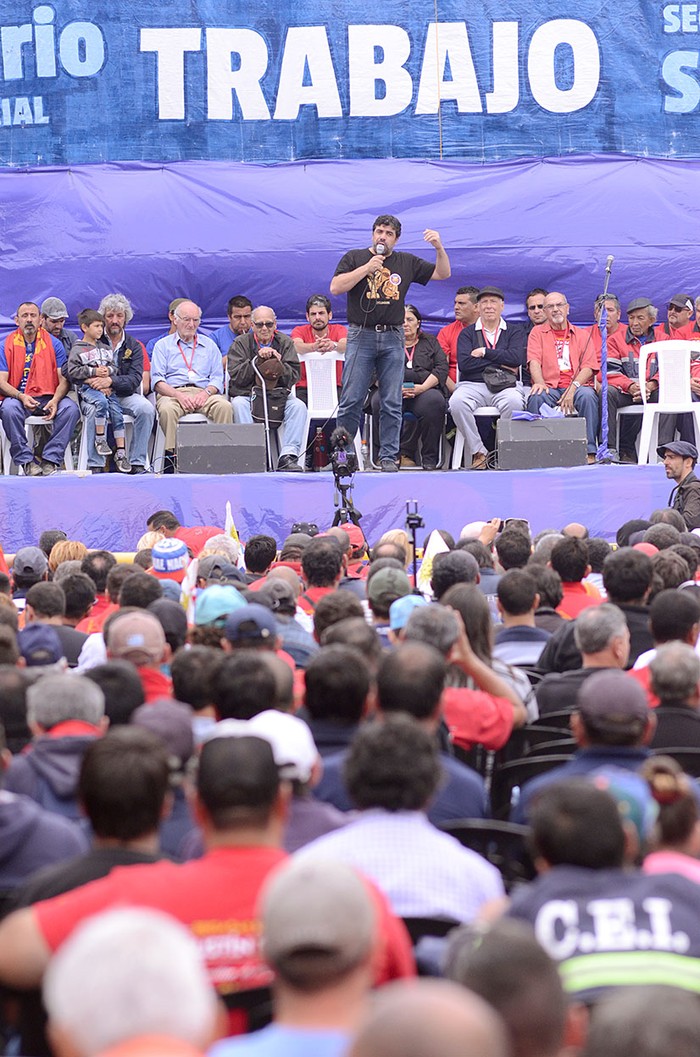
(294, 421)
(13, 415)
(367, 351)
(143, 413)
(587, 405)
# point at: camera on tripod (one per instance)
(343, 457)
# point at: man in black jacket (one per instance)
(126, 383)
(490, 342)
(275, 357)
(679, 462)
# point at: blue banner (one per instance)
(268, 81)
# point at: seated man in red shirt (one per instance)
(679, 326)
(466, 313)
(562, 364)
(318, 334)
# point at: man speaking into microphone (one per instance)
(376, 281)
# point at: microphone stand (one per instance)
(604, 454)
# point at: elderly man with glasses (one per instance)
(275, 357)
(187, 375)
(562, 362)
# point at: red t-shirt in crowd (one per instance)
(477, 718)
(578, 596)
(216, 898)
(196, 537)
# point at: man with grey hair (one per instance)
(675, 679)
(54, 316)
(187, 375)
(602, 635)
(274, 355)
(129, 382)
(125, 978)
(319, 927)
(623, 374)
(65, 713)
(482, 708)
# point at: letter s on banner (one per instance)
(586, 65)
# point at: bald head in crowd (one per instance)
(430, 1018)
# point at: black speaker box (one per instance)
(207, 447)
(523, 445)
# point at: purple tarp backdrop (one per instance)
(109, 511)
(276, 233)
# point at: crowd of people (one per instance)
(261, 772)
(406, 379)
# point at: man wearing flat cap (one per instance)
(623, 374)
(487, 344)
(679, 458)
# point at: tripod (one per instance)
(345, 509)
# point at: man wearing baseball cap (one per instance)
(137, 636)
(623, 374)
(319, 936)
(612, 725)
(679, 326)
(54, 316)
(490, 342)
(679, 457)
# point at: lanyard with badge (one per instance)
(191, 373)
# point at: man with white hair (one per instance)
(129, 981)
(128, 382)
(65, 714)
(187, 376)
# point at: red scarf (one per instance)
(43, 376)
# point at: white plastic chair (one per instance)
(31, 423)
(322, 395)
(675, 396)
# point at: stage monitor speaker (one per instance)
(210, 447)
(544, 442)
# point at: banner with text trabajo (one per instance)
(270, 81)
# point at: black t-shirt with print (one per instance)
(379, 299)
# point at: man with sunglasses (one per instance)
(275, 357)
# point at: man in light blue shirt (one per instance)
(240, 319)
(187, 375)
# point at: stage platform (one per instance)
(110, 511)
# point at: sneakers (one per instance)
(101, 445)
(32, 469)
(479, 461)
(49, 468)
(388, 466)
(137, 469)
(289, 464)
(121, 460)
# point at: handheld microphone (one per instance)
(608, 263)
(380, 249)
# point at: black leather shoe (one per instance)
(289, 464)
(388, 466)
